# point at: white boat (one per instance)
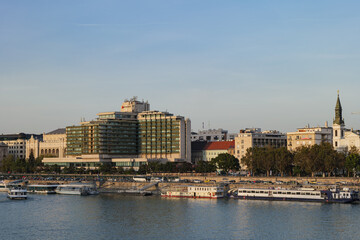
(3, 187)
(82, 189)
(334, 195)
(44, 189)
(17, 193)
(196, 192)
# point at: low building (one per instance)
(16, 143)
(53, 144)
(213, 149)
(254, 137)
(197, 151)
(309, 136)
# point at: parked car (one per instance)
(197, 181)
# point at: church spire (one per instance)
(338, 112)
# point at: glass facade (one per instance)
(108, 136)
(159, 134)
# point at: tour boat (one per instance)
(82, 189)
(3, 187)
(334, 195)
(17, 193)
(45, 189)
(196, 192)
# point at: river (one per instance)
(113, 216)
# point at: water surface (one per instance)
(111, 216)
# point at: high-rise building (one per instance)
(164, 136)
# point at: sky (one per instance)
(232, 64)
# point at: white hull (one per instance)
(196, 192)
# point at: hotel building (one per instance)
(128, 138)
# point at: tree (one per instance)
(205, 167)
(352, 163)
(226, 162)
(283, 160)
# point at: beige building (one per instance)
(52, 145)
(16, 148)
(309, 136)
(254, 137)
(213, 149)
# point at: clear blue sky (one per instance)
(236, 64)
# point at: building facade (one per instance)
(309, 136)
(3, 152)
(128, 138)
(164, 137)
(213, 149)
(16, 143)
(343, 139)
(53, 144)
(210, 135)
(254, 137)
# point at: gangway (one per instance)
(149, 186)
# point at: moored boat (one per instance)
(17, 193)
(3, 187)
(82, 189)
(44, 189)
(334, 195)
(196, 192)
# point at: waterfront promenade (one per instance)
(116, 183)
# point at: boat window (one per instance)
(312, 193)
(293, 193)
(302, 193)
(261, 191)
(288, 193)
(317, 194)
(297, 193)
(307, 193)
(252, 191)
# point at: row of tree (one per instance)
(307, 160)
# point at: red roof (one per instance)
(223, 145)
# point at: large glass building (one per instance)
(128, 138)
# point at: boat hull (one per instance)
(292, 199)
(178, 196)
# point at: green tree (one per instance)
(283, 160)
(226, 162)
(352, 163)
(205, 167)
